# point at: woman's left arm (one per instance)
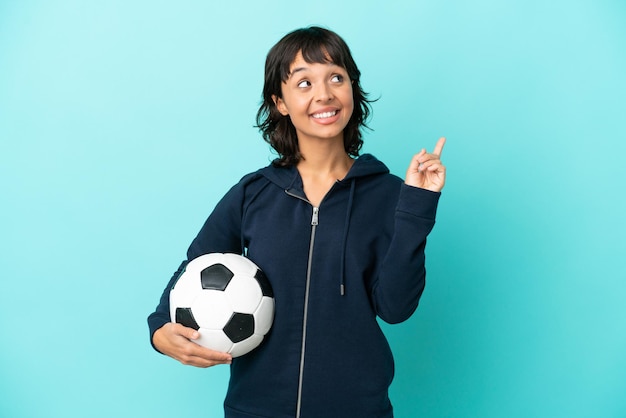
(401, 280)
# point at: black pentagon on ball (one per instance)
(216, 277)
(264, 283)
(239, 327)
(184, 316)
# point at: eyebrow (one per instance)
(295, 70)
(300, 69)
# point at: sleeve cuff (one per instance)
(418, 202)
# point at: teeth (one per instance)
(325, 115)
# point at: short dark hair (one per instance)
(318, 45)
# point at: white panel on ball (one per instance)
(244, 293)
(239, 264)
(215, 340)
(264, 316)
(245, 346)
(211, 309)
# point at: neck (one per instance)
(325, 160)
(323, 163)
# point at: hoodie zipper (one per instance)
(314, 223)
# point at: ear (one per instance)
(280, 105)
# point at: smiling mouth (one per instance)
(324, 115)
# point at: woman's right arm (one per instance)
(220, 233)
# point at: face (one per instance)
(318, 99)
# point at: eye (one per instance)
(304, 84)
(337, 78)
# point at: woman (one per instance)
(340, 239)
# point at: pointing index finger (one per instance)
(439, 146)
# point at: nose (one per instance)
(324, 93)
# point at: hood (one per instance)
(286, 177)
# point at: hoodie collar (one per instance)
(289, 177)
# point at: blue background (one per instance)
(123, 122)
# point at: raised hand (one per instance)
(426, 171)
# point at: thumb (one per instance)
(189, 333)
(414, 166)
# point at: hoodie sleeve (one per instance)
(401, 280)
(220, 233)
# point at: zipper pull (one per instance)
(315, 218)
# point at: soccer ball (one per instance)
(227, 299)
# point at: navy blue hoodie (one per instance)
(333, 270)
